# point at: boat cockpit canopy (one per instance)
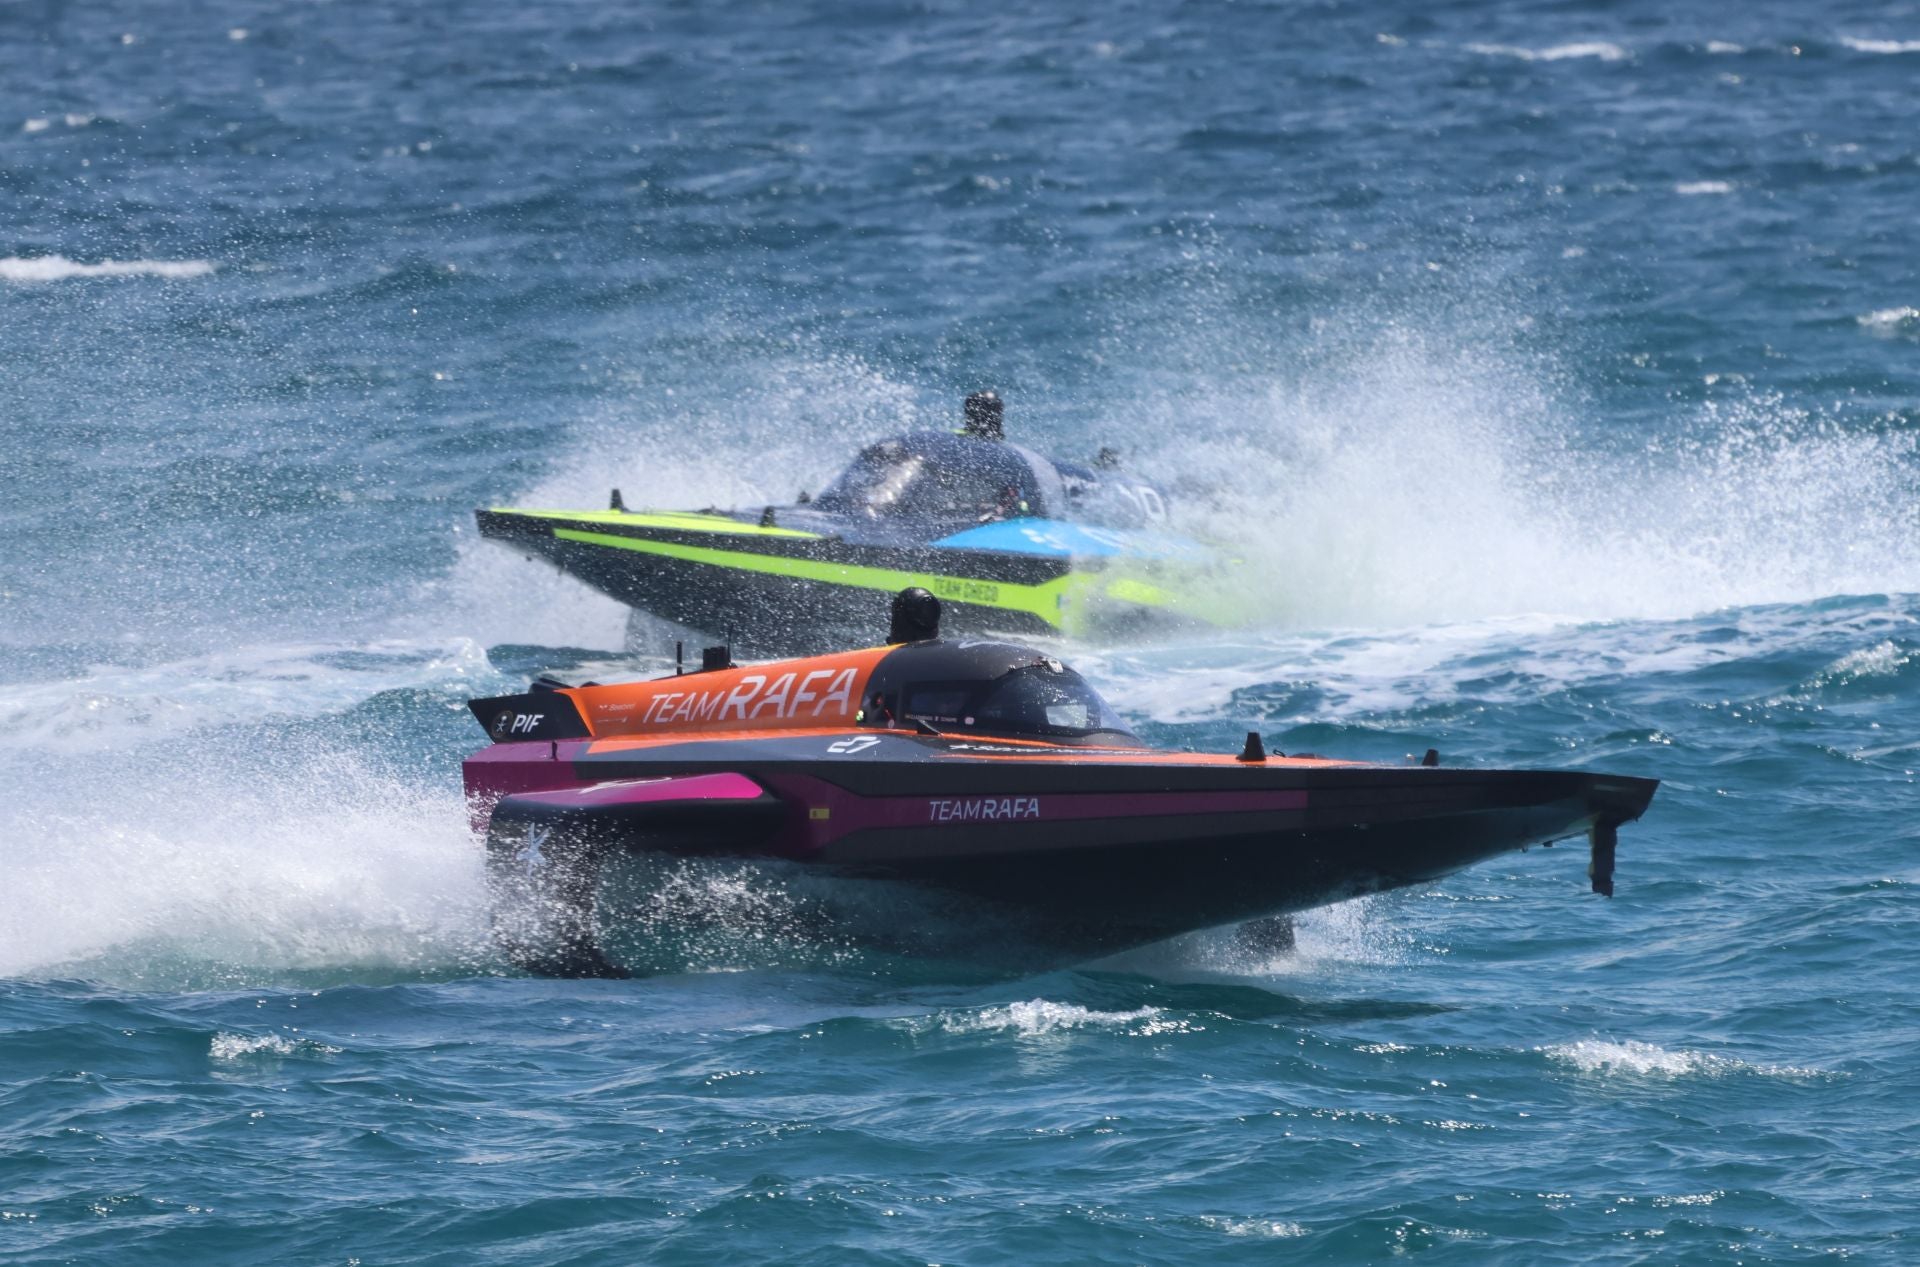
(936, 476)
(993, 689)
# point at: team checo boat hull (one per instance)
(782, 595)
(1085, 848)
(1010, 542)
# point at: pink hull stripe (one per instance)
(691, 787)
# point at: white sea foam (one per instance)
(1884, 659)
(1329, 938)
(42, 123)
(1601, 49)
(721, 915)
(1695, 188)
(1035, 1017)
(234, 1046)
(1723, 48)
(239, 1046)
(54, 268)
(1605, 1056)
(1860, 45)
(1277, 1229)
(1888, 322)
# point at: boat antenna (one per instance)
(679, 657)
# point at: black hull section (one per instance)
(1087, 902)
(1133, 854)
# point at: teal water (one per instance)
(1553, 367)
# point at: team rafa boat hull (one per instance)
(1084, 858)
(1083, 845)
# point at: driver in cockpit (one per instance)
(985, 417)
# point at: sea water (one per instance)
(1553, 369)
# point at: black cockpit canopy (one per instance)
(935, 475)
(995, 689)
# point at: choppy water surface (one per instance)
(1554, 368)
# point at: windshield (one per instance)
(1046, 700)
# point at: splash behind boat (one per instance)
(975, 770)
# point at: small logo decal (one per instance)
(510, 723)
(859, 743)
(531, 855)
(975, 809)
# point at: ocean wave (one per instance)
(1887, 322)
(1278, 1229)
(1859, 45)
(1603, 50)
(44, 123)
(1693, 188)
(1032, 1018)
(238, 1046)
(1885, 659)
(55, 268)
(1604, 1056)
(114, 706)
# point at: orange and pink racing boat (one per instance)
(978, 777)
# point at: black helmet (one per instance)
(985, 415)
(916, 616)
